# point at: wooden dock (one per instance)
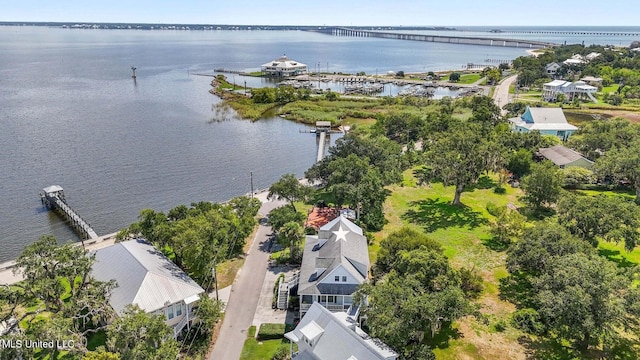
(53, 198)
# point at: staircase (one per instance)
(592, 98)
(283, 296)
(283, 291)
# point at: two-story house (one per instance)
(334, 263)
(548, 121)
(147, 278)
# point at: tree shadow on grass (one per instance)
(494, 244)
(484, 182)
(548, 349)
(442, 338)
(517, 289)
(554, 349)
(616, 257)
(434, 214)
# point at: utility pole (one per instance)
(215, 278)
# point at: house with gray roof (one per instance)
(147, 278)
(548, 121)
(326, 335)
(564, 157)
(334, 263)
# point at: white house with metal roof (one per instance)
(283, 67)
(334, 263)
(548, 121)
(571, 90)
(147, 278)
(326, 335)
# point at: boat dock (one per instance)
(53, 198)
(323, 131)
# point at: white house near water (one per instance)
(284, 67)
(548, 121)
(323, 335)
(335, 262)
(571, 90)
(147, 278)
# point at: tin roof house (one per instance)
(548, 121)
(147, 278)
(326, 335)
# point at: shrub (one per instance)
(270, 331)
(500, 325)
(494, 210)
(282, 353)
(528, 320)
(575, 176)
(470, 283)
(499, 190)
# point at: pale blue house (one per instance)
(548, 121)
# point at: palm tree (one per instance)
(291, 235)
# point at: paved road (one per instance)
(501, 93)
(245, 293)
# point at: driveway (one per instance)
(245, 292)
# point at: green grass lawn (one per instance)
(467, 78)
(610, 89)
(463, 233)
(260, 350)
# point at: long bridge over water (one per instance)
(484, 41)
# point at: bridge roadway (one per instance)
(590, 33)
(485, 41)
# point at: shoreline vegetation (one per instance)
(303, 106)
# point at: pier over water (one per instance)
(53, 198)
(485, 41)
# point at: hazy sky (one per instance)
(329, 12)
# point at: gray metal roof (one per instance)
(144, 276)
(340, 242)
(340, 338)
(561, 155)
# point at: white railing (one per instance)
(177, 328)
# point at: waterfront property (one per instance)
(323, 335)
(571, 90)
(147, 278)
(283, 67)
(564, 157)
(334, 263)
(548, 121)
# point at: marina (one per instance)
(119, 146)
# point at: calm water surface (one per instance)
(71, 115)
